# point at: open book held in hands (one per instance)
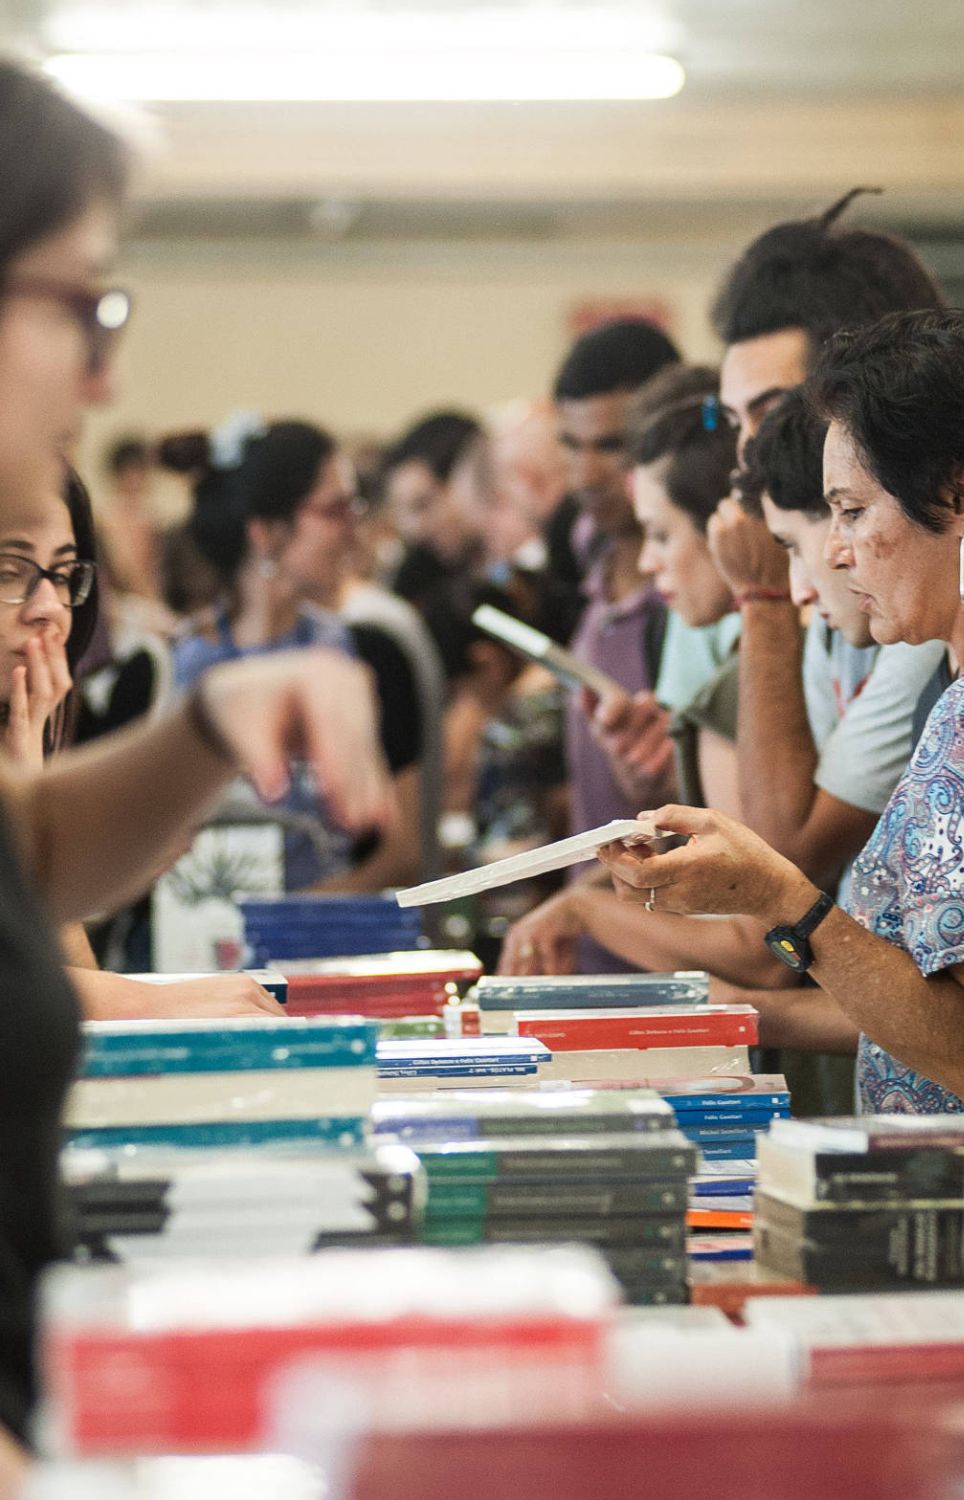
(571, 851)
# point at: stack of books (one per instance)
(863, 1204)
(498, 998)
(872, 1338)
(624, 1194)
(305, 926)
(643, 1044)
(725, 1117)
(407, 1063)
(606, 1168)
(149, 1203)
(187, 1358)
(810, 1452)
(224, 1082)
(381, 985)
(469, 1115)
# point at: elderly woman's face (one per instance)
(45, 383)
(905, 578)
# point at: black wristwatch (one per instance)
(792, 944)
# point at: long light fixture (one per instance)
(471, 55)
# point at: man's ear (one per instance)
(953, 491)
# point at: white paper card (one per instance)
(571, 851)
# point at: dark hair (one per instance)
(188, 582)
(785, 459)
(617, 356)
(54, 160)
(533, 598)
(125, 451)
(675, 416)
(897, 388)
(59, 728)
(276, 471)
(438, 441)
(807, 273)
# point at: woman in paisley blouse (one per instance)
(893, 961)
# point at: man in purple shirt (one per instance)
(621, 627)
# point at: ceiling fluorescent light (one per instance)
(377, 73)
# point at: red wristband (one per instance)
(756, 596)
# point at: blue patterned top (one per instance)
(908, 887)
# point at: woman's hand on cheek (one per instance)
(36, 691)
(723, 869)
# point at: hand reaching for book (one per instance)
(544, 941)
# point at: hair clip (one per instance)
(229, 441)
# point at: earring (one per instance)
(268, 568)
(960, 569)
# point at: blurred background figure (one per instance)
(440, 542)
(126, 523)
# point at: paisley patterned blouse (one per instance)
(908, 887)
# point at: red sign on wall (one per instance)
(592, 313)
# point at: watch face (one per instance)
(783, 943)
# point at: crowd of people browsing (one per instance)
(766, 558)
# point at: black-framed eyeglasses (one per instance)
(102, 315)
(21, 577)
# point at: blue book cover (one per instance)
(730, 1114)
(116, 1049)
(721, 1187)
(334, 1130)
(699, 1132)
(736, 1150)
(745, 1121)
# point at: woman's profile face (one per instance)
(45, 381)
(322, 532)
(905, 578)
(41, 534)
(675, 553)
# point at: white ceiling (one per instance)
(794, 48)
(787, 101)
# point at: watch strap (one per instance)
(814, 916)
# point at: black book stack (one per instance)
(865, 1204)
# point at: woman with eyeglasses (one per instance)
(87, 834)
(48, 612)
(890, 958)
(275, 510)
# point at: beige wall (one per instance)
(365, 337)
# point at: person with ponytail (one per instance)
(274, 516)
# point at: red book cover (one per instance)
(208, 1389)
(804, 1454)
(683, 1026)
